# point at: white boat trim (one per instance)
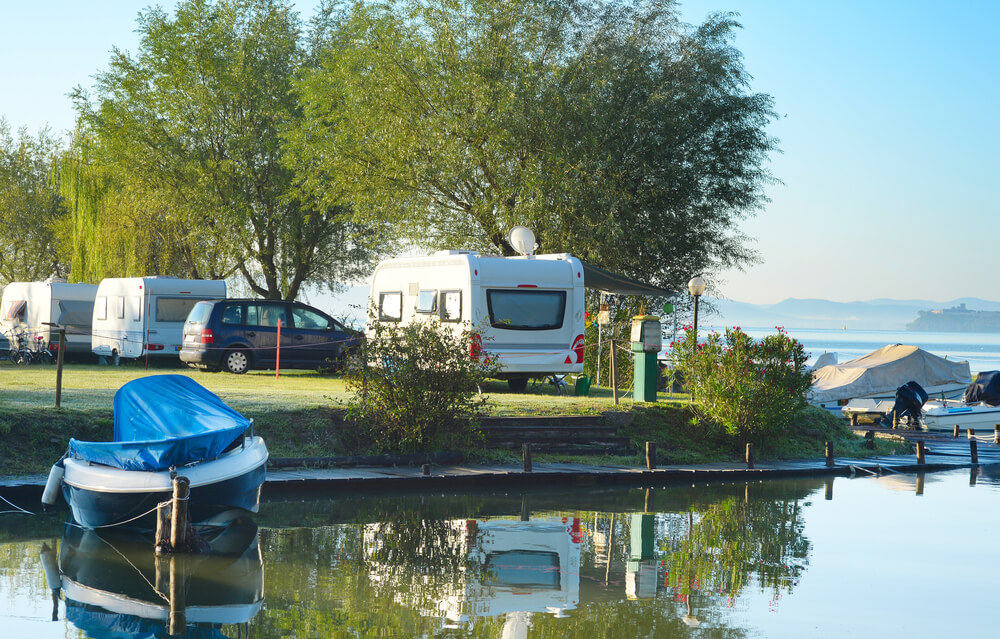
(123, 605)
(99, 478)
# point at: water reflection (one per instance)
(115, 586)
(712, 560)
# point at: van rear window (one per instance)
(201, 311)
(526, 309)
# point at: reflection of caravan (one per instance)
(528, 309)
(520, 567)
(137, 316)
(31, 306)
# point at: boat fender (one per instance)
(53, 484)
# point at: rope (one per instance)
(13, 505)
(136, 568)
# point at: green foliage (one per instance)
(751, 388)
(416, 388)
(189, 133)
(617, 133)
(33, 220)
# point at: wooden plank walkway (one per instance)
(943, 452)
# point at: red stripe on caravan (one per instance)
(527, 285)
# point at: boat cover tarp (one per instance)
(986, 388)
(163, 421)
(600, 279)
(885, 370)
(98, 623)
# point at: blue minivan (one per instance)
(242, 334)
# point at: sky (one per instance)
(888, 131)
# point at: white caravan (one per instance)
(32, 306)
(528, 310)
(138, 316)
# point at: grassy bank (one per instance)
(301, 415)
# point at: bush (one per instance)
(416, 388)
(750, 388)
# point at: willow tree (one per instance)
(616, 132)
(192, 125)
(33, 220)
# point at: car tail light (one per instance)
(206, 336)
(475, 346)
(578, 347)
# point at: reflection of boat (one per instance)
(113, 583)
(165, 425)
(877, 375)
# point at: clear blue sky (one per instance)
(889, 131)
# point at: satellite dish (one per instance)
(522, 240)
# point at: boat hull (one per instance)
(979, 416)
(101, 496)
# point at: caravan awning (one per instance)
(75, 313)
(15, 308)
(608, 282)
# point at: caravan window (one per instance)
(427, 302)
(174, 309)
(390, 307)
(451, 306)
(101, 306)
(526, 309)
(524, 568)
(120, 307)
(137, 308)
(15, 310)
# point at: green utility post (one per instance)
(647, 339)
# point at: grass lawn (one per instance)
(300, 414)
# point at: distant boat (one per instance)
(165, 425)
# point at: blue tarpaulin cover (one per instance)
(163, 421)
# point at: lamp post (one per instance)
(696, 287)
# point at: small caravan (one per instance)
(528, 309)
(32, 306)
(138, 316)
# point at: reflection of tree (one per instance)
(735, 541)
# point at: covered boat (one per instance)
(878, 374)
(164, 426)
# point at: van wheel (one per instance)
(237, 362)
(517, 384)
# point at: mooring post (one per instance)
(648, 501)
(870, 439)
(920, 452)
(973, 473)
(178, 619)
(973, 449)
(614, 374)
(955, 433)
(895, 419)
(828, 493)
(971, 433)
(526, 457)
(425, 470)
(996, 433)
(525, 511)
(854, 419)
(829, 454)
(162, 527)
(920, 484)
(650, 455)
(179, 518)
(749, 455)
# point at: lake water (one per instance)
(982, 350)
(904, 555)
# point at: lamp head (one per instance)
(696, 286)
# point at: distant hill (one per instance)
(877, 314)
(957, 319)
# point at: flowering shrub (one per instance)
(750, 388)
(416, 387)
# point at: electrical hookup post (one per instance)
(647, 339)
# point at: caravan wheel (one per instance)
(115, 358)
